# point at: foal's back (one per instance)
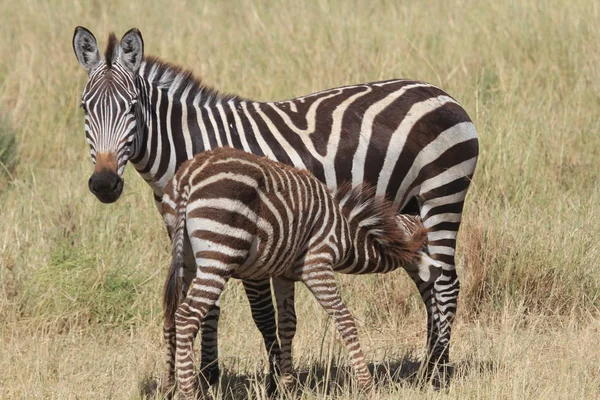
(253, 216)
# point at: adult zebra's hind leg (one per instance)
(424, 275)
(263, 314)
(438, 282)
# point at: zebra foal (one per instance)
(251, 218)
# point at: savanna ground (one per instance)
(80, 281)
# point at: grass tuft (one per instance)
(74, 290)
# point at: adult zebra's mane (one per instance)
(176, 79)
(113, 42)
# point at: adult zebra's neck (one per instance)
(179, 117)
(380, 242)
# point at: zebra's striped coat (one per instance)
(251, 218)
(409, 139)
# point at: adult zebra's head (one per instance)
(110, 103)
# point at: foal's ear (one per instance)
(86, 48)
(132, 46)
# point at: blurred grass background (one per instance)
(80, 281)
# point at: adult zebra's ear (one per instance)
(132, 46)
(86, 48)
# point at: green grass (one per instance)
(80, 281)
(92, 292)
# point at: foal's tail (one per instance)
(173, 284)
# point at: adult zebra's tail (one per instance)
(378, 235)
(174, 207)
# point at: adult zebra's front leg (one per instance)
(446, 288)
(263, 314)
(286, 327)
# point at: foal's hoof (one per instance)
(166, 387)
(167, 391)
(366, 386)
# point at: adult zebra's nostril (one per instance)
(91, 185)
(117, 185)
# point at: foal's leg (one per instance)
(201, 297)
(209, 350)
(167, 385)
(319, 279)
(187, 274)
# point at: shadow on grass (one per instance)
(331, 379)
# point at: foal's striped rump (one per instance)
(252, 218)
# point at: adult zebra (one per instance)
(409, 139)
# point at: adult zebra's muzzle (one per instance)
(105, 183)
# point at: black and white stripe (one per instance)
(409, 139)
(109, 103)
(251, 218)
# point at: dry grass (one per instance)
(80, 281)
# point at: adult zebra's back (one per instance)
(410, 139)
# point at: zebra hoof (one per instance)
(366, 386)
(271, 385)
(278, 386)
(166, 391)
(166, 386)
(209, 376)
(439, 376)
(202, 390)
